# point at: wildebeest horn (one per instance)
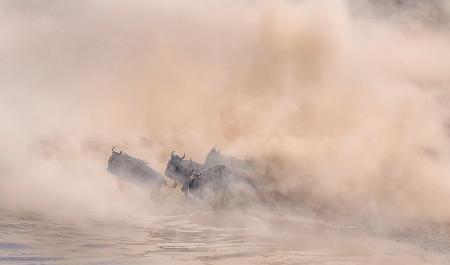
(171, 154)
(120, 152)
(112, 149)
(184, 155)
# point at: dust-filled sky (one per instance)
(345, 104)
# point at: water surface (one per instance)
(205, 236)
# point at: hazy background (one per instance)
(344, 104)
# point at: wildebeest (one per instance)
(134, 170)
(214, 157)
(180, 169)
(220, 186)
(237, 167)
(213, 181)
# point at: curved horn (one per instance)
(120, 152)
(184, 155)
(112, 149)
(171, 154)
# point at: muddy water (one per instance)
(200, 236)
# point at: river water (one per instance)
(198, 235)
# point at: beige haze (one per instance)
(344, 106)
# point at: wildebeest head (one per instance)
(114, 160)
(179, 169)
(213, 157)
(175, 167)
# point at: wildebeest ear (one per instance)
(112, 149)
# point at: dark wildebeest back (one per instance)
(134, 170)
(236, 167)
(214, 157)
(220, 186)
(213, 175)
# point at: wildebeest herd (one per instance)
(220, 177)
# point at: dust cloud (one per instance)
(343, 104)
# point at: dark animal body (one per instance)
(220, 180)
(237, 167)
(214, 157)
(220, 176)
(180, 169)
(134, 170)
